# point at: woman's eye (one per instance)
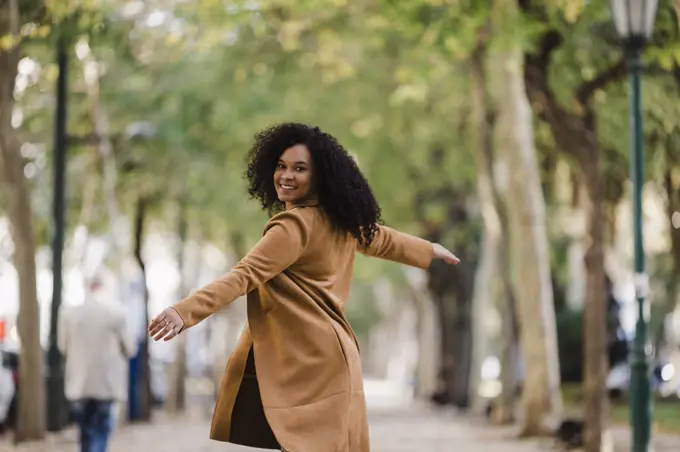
(299, 168)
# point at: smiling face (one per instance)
(293, 176)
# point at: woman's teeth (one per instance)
(287, 187)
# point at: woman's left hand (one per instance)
(442, 253)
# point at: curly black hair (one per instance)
(343, 192)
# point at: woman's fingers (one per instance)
(157, 324)
(174, 332)
(166, 332)
(159, 332)
(447, 256)
(165, 326)
(452, 259)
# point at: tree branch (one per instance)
(551, 40)
(676, 74)
(537, 63)
(15, 32)
(609, 75)
(92, 139)
(536, 67)
(567, 128)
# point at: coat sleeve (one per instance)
(399, 247)
(285, 239)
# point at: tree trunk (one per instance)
(487, 269)
(504, 408)
(451, 289)
(31, 407)
(427, 335)
(532, 284)
(452, 295)
(672, 185)
(176, 401)
(576, 136)
(144, 381)
(443, 306)
(463, 344)
(102, 129)
(81, 234)
(595, 308)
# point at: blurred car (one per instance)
(9, 371)
(618, 379)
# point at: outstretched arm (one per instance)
(405, 249)
(284, 241)
(396, 246)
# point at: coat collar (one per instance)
(309, 203)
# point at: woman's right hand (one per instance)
(166, 325)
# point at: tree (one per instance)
(176, 400)
(31, 410)
(487, 195)
(575, 134)
(527, 225)
(492, 281)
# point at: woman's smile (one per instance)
(287, 191)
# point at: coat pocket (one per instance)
(338, 339)
(351, 356)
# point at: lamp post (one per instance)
(634, 21)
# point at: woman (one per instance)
(294, 381)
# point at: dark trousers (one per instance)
(95, 420)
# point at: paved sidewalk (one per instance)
(416, 429)
(429, 430)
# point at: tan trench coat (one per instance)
(306, 355)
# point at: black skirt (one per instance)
(248, 419)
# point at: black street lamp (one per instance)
(634, 22)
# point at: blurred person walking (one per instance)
(294, 381)
(95, 340)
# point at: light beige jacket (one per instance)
(96, 341)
